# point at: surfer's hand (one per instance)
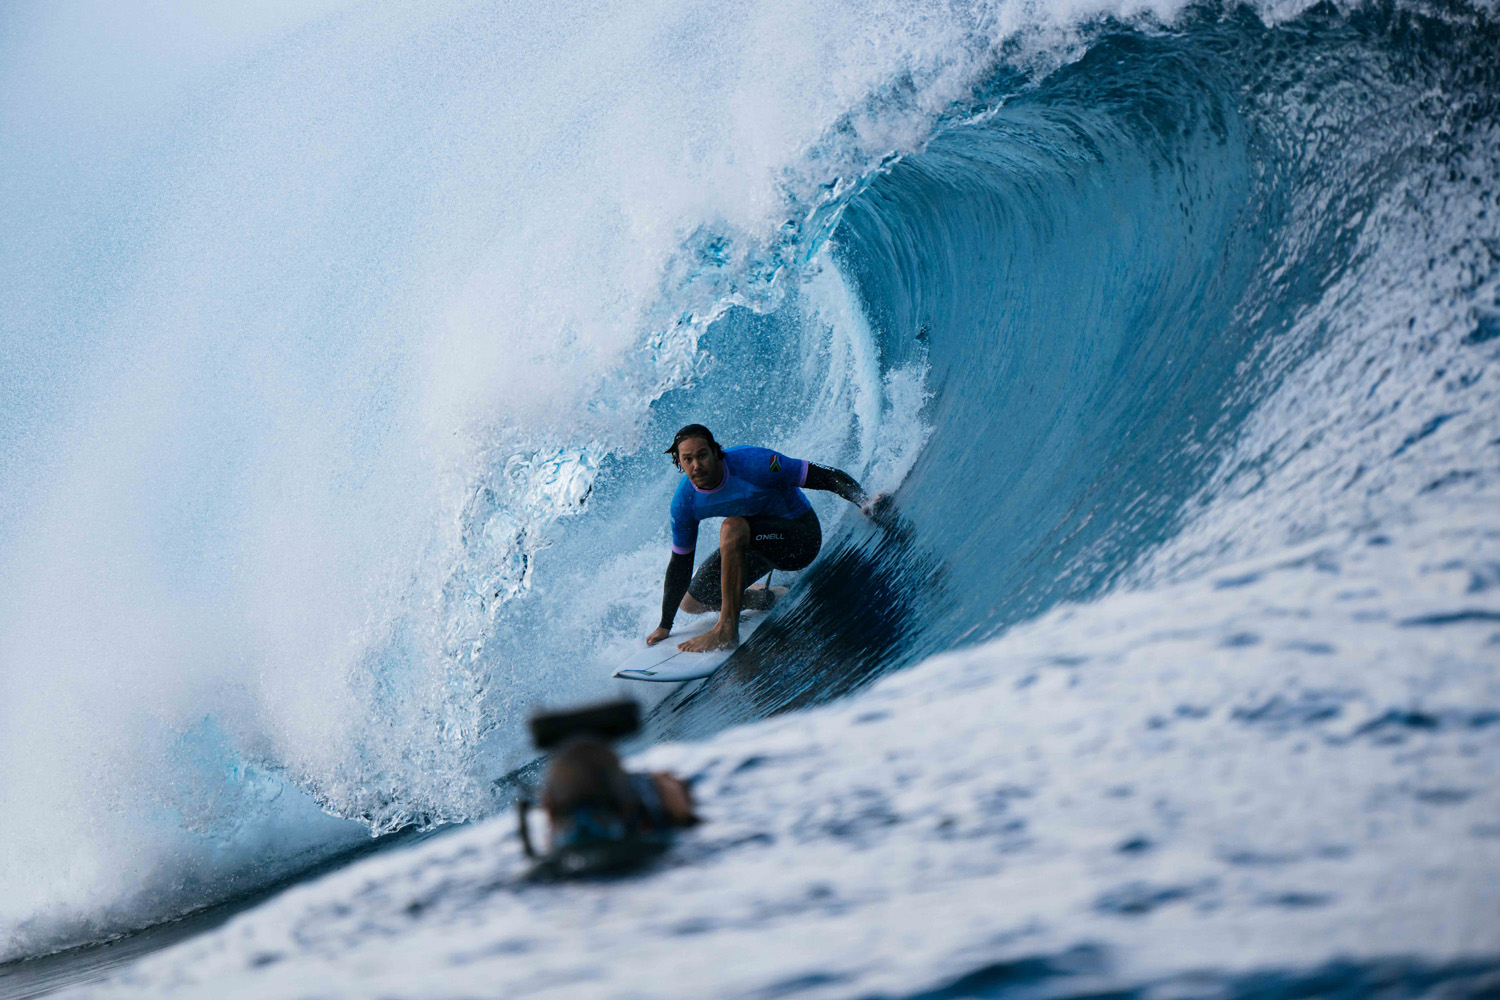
(657, 636)
(878, 507)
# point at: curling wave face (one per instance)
(1132, 303)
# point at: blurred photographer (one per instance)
(600, 817)
(590, 798)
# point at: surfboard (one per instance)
(665, 662)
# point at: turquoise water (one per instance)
(343, 344)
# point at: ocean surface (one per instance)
(339, 345)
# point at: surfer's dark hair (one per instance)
(693, 431)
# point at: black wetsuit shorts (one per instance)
(775, 543)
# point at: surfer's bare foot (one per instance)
(716, 638)
(657, 636)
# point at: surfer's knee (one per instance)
(734, 533)
(693, 606)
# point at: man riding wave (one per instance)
(768, 524)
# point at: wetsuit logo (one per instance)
(775, 463)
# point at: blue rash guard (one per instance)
(756, 481)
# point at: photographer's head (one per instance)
(590, 798)
(599, 814)
(586, 782)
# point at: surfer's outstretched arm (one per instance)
(835, 481)
(838, 481)
(679, 575)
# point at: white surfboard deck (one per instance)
(664, 662)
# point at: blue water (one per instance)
(341, 356)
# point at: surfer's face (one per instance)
(700, 462)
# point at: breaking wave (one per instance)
(338, 370)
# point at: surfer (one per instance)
(768, 524)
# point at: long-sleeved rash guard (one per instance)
(757, 481)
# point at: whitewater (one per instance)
(339, 345)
